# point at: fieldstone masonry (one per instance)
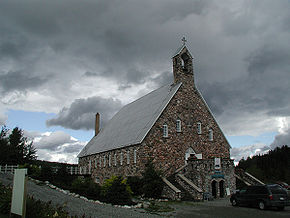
(168, 153)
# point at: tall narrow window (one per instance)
(100, 161)
(109, 160)
(115, 159)
(90, 166)
(135, 156)
(165, 130)
(199, 128)
(104, 160)
(178, 125)
(121, 158)
(96, 163)
(210, 134)
(128, 156)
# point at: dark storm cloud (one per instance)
(19, 80)
(163, 79)
(81, 113)
(241, 50)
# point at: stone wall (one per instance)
(167, 154)
(202, 173)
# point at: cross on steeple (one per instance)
(183, 40)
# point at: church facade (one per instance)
(174, 127)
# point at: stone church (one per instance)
(174, 127)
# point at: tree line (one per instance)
(15, 147)
(271, 167)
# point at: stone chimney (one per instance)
(97, 125)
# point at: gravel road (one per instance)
(76, 206)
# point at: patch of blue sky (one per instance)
(265, 138)
(36, 121)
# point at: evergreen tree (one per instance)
(271, 167)
(15, 148)
(152, 182)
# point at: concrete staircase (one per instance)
(179, 185)
(247, 178)
(184, 195)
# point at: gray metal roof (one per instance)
(132, 123)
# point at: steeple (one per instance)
(183, 65)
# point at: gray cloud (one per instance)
(81, 113)
(281, 139)
(248, 151)
(54, 141)
(73, 148)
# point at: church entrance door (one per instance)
(222, 189)
(214, 188)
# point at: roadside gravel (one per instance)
(76, 206)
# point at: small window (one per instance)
(135, 156)
(100, 161)
(109, 160)
(165, 130)
(121, 158)
(96, 163)
(128, 156)
(210, 134)
(199, 128)
(178, 125)
(115, 159)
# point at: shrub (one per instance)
(32, 170)
(152, 182)
(5, 199)
(86, 187)
(39, 209)
(136, 185)
(116, 191)
(46, 173)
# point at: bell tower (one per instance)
(183, 65)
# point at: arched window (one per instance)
(184, 60)
(165, 130)
(210, 134)
(178, 125)
(199, 128)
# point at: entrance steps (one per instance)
(247, 178)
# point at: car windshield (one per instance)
(276, 189)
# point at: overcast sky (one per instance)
(63, 61)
